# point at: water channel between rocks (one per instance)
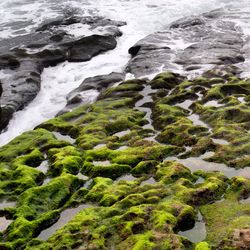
(65, 217)
(199, 163)
(198, 232)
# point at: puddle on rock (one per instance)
(122, 148)
(200, 180)
(146, 93)
(145, 99)
(46, 181)
(82, 176)
(149, 181)
(127, 177)
(198, 232)
(99, 146)
(43, 167)
(5, 204)
(65, 217)
(4, 223)
(185, 105)
(242, 100)
(197, 121)
(122, 133)
(101, 163)
(198, 163)
(213, 103)
(220, 141)
(88, 183)
(61, 137)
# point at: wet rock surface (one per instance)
(192, 44)
(98, 83)
(145, 165)
(23, 58)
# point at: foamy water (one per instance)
(142, 16)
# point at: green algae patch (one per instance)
(25, 143)
(65, 160)
(37, 208)
(168, 172)
(202, 246)
(166, 80)
(223, 217)
(133, 197)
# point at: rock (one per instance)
(241, 238)
(93, 21)
(191, 44)
(23, 58)
(87, 47)
(98, 83)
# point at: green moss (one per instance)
(64, 160)
(144, 167)
(170, 171)
(202, 246)
(25, 143)
(223, 217)
(166, 80)
(163, 220)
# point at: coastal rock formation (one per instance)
(99, 83)
(190, 44)
(23, 58)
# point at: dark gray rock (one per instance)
(191, 44)
(93, 21)
(23, 58)
(98, 83)
(87, 47)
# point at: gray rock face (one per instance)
(23, 58)
(190, 44)
(100, 82)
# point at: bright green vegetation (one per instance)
(138, 197)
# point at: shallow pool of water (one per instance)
(198, 232)
(65, 217)
(61, 137)
(4, 223)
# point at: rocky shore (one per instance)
(152, 164)
(23, 58)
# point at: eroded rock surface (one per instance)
(23, 58)
(191, 44)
